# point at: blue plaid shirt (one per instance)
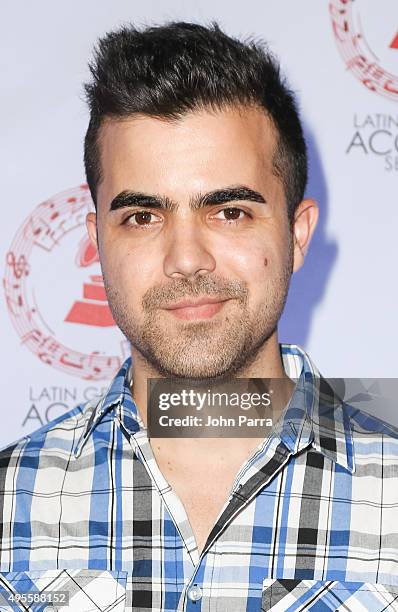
(311, 522)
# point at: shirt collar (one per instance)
(118, 396)
(315, 414)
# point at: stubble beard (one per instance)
(212, 349)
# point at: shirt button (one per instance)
(195, 593)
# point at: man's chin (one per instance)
(193, 360)
(192, 371)
(195, 350)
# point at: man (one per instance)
(197, 166)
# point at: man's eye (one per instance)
(142, 218)
(231, 214)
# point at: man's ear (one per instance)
(305, 220)
(91, 224)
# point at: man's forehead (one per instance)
(249, 124)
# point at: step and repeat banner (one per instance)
(59, 343)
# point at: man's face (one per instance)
(202, 218)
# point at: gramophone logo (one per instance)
(55, 292)
(366, 34)
(93, 309)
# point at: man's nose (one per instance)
(187, 250)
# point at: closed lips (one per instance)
(194, 303)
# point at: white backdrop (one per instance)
(342, 305)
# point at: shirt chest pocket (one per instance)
(66, 590)
(323, 595)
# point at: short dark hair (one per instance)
(166, 71)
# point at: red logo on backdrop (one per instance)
(367, 57)
(39, 298)
(95, 312)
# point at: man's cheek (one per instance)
(269, 266)
(245, 258)
(259, 259)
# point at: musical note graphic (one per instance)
(20, 266)
(34, 249)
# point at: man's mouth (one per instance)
(202, 308)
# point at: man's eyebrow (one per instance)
(228, 194)
(127, 199)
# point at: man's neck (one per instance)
(268, 364)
